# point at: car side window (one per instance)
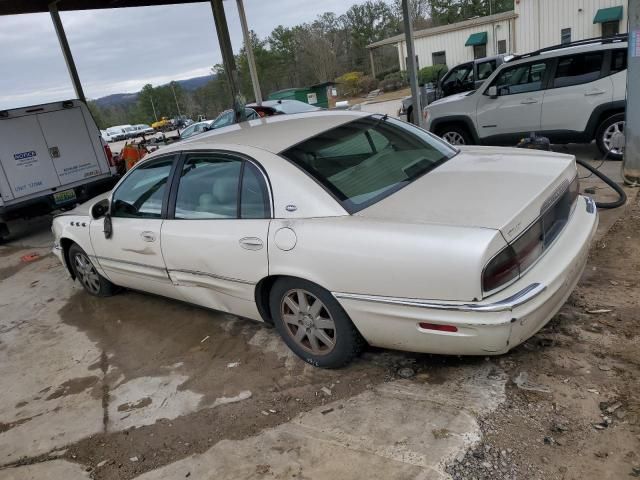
(211, 188)
(485, 69)
(459, 74)
(578, 69)
(618, 60)
(141, 193)
(187, 132)
(527, 77)
(254, 198)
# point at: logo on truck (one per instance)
(23, 155)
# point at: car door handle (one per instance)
(594, 92)
(148, 236)
(528, 101)
(251, 243)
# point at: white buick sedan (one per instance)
(344, 228)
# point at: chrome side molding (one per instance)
(523, 296)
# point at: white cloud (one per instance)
(120, 50)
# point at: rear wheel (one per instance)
(610, 137)
(455, 135)
(313, 324)
(87, 275)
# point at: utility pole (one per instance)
(154, 108)
(411, 63)
(250, 58)
(631, 161)
(176, 99)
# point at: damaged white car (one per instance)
(341, 229)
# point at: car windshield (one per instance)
(368, 159)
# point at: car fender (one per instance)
(464, 119)
(602, 112)
(68, 229)
(357, 255)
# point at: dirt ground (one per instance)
(139, 385)
(580, 417)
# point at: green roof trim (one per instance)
(612, 14)
(474, 39)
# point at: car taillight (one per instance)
(500, 270)
(574, 190)
(107, 152)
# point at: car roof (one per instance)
(578, 47)
(273, 134)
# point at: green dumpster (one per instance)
(314, 95)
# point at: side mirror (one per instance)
(99, 209)
(492, 91)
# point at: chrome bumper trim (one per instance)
(523, 296)
(591, 204)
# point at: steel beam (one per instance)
(228, 60)
(411, 63)
(631, 161)
(250, 58)
(66, 51)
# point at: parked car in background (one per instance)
(283, 107)
(117, 133)
(569, 93)
(106, 136)
(143, 129)
(316, 223)
(130, 131)
(228, 118)
(195, 129)
(52, 156)
(461, 78)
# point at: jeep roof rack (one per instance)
(621, 37)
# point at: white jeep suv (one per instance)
(568, 93)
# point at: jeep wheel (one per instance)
(610, 137)
(455, 135)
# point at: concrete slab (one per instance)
(399, 430)
(53, 470)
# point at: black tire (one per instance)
(347, 341)
(604, 134)
(449, 132)
(84, 271)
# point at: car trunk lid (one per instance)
(499, 188)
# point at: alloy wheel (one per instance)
(453, 138)
(87, 273)
(308, 321)
(613, 136)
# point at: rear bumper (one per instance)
(492, 326)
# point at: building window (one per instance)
(439, 58)
(610, 28)
(565, 36)
(479, 51)
(502, 46)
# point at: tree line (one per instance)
(322, 50)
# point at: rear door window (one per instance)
(578, 69)
(618, 60)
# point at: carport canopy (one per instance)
(611, 14)
(479, 38)
(13, 7)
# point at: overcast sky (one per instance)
(120, 50)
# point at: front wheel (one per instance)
(313, 324)
(454, 135)
(93, 283)
(610, 137)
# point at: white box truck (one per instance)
(52, 157)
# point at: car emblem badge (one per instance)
(291, 208)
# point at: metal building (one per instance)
(533, 24)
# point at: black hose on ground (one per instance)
(618, 189)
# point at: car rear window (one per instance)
(577, 69)
(368, 159)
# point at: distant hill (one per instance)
(190, 84)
